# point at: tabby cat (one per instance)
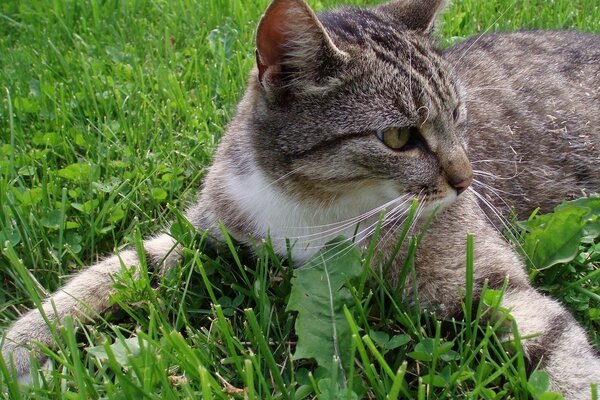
(355, 111)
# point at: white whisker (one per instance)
(507, 225)
(353, 219)
(490, 88)
(399, 223)
(483, 34)
(494, 176)
(494, 190)
(361, 235)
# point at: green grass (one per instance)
(109, 113)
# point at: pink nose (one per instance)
(461, 186)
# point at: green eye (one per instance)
(394, 138)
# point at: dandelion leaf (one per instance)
(319, 295)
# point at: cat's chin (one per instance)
(435, 206)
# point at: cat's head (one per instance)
(354, 104)
(359, 97)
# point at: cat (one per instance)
(356, 111)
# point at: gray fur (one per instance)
(523, 106)
(533, 100)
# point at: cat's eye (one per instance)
(395, 138)
(456, 114)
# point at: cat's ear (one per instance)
(292, 46)
(417, 15)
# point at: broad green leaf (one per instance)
(159, 193)
(303, 392)
(27, 170)
(52, 220)
(75, 171)
(330, 391)
(318, 296)
(594, 314)
(450, 356)
(538, 382)
(436, 380)
(88, 207)
(31, 196)
(47, 139)
(423, 350)
(11, 235)
(381, 338)
(492, 297)
(73, 240)
(549, 396)
(116, 214)
(555, 238)
(121, 349)
(397, 341)
(591, 219)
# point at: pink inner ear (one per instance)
(270, 37)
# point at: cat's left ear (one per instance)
(292, 47)
(417, 15)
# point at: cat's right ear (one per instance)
(417, 15)
(292, 47)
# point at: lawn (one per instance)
(109, 113)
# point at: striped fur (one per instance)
(302, 159)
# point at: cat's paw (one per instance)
(18, 360)
(18, 345)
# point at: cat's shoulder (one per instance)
(527, 41)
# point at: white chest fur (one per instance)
(309, 227)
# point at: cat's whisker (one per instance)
(494, 176)
(399, 223)
(494, 160)
(338, 227)
(360, 234)
(494, 190)
(493, 209)
(372, 230)
(369, 230)
(491, 88)
(504, 163)
(487, 217)
(354, 219)
(489, 203)
(466, 51)
(507, 225)
(397, 217)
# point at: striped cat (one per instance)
(356, 111)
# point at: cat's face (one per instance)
(357, 100)
(347, 116)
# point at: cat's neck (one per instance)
(270, 212)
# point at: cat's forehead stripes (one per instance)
(398, 50)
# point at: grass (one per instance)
(109, 112)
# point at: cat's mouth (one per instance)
(438, 203)
(435, 200)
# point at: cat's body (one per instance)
(533, 120)
(359, 113)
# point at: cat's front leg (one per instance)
(83, 296)
(554, 342)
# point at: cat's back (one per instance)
(533, 101)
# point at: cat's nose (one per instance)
(461, 185)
